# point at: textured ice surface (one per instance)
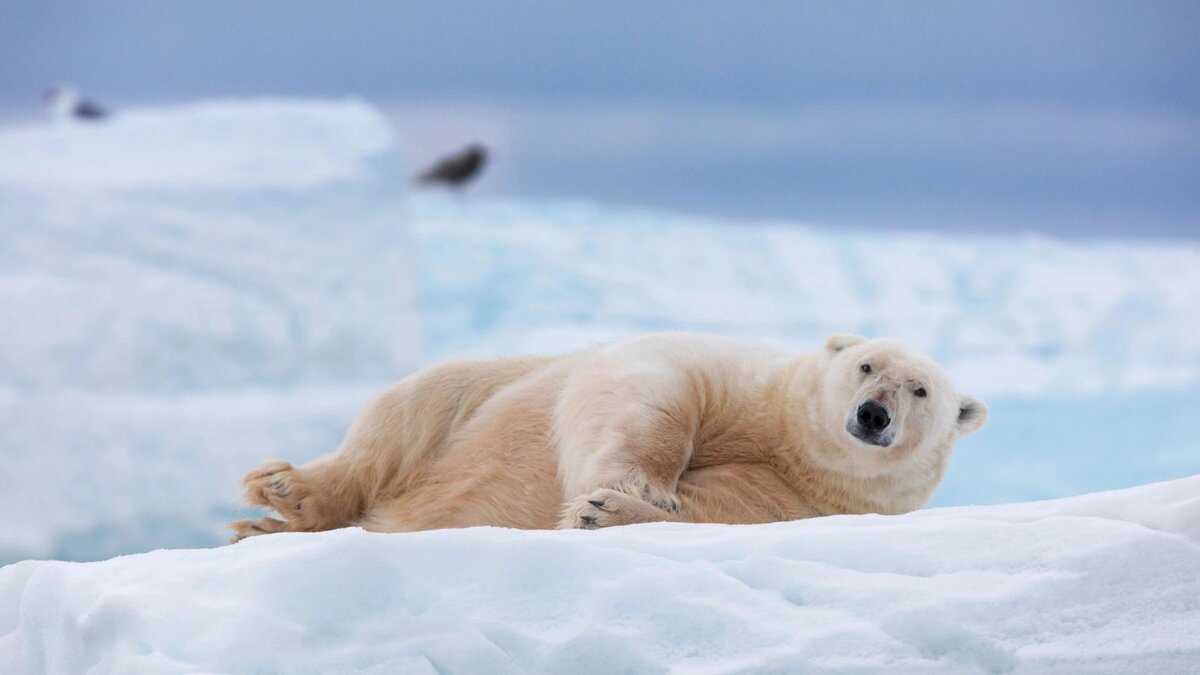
(187, 291)
(1013, 315)
(1100, 583)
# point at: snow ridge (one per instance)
(1103, 582)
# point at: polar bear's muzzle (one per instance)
(871, 423)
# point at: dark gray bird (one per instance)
(65, 101)
(456, 169)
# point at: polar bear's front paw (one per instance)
(600, 508)
(608, 508)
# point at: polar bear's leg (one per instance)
(639, 450)
(393, 438)
(727, 493)
(646, 465)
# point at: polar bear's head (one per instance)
(883, 403)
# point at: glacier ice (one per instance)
(1099, 583)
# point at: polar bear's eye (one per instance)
(920, 392)
(866, 367)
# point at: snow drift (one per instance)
(1101, 583)
(187, 291)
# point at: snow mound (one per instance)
(216, 245)
(1100, 583)
(183, 292)
(216, 145)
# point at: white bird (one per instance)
(65, 101)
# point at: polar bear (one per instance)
(660, 427)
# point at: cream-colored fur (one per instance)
(659, 427)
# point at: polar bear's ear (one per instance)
(836, 343)
(972, 413)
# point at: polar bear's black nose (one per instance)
(873, 416)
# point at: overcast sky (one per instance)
(1071, 118)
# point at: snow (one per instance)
(295, 146)
(1100, 583)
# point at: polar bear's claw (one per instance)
(250, 528)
